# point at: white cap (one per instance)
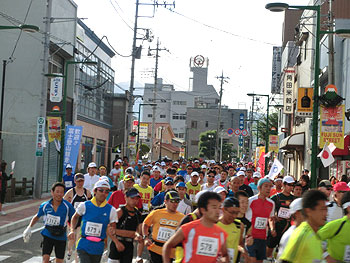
(139, 162)
(69, 166)
(162, 164)
(104, 178)
(243, 169)
(176, 162)
(119, 160)
(92, 165)
(219, 189)
(102, 183)
(278, 179)
(194, 173)
(239, 173)
(129, 169)
(199, 195)
(288, 179)
(296, 205)
(155, 168)
(196, 161)
(212, 161)
(256, 175)
(204, 166)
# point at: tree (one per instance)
(144, 149)
(273, 122)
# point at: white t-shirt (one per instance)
(113, 216)
(90, 181)
(284, 240)
(334, 212)
(205, 187)
(184, 208)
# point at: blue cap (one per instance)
(181, 184)
(262, 181)
(168, 180)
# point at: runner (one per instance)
(282, 214)
(184, 206)
(254, 184)
(243, 205)
(183, 171)
(233, 227)
(96, 214)
(164, 222)
(75, 196)
(304, 244)
(127, 229)
(297, 190)
(159, 198)
(335, 210)
(278, 186)
(260, 209)
(155, 176)
(202, 178)
(68, 178)
(223, 181)
(249, 179)
(231, 171)
(202, 239)
(193, 187)
(56, 212)
(337, 235)
(235, 183)
(210, 184)
(221, 191)
(115, 174)
(91, 177)
(244, 187)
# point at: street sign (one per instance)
(56, 89)
(244, 133)
(240, 140)
(39, 136)
(229, 131)
(237, 132)
(241, 121)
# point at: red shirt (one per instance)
(258, 213)
(247, 182)
(202, 244)
(118, 198)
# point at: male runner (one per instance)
(210, 184)
(193, 187)
(68, 178)
(91, 177)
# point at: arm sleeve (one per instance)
(40, 211)
(248, 214)
(113, 217)
(81, 209)
(148, 220)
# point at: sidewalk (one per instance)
(19, 214)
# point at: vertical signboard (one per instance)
(56, 89)
(332, 126)
(241, 127)
(305, 102)
(40, 132)
(54, 128)
(288, 91)
(71, 145)
(276, 70)
(273, 143)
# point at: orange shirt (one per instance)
(164, 226)
(202, 244)
(275, 191)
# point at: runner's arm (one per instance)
(33, 221)
(224, 253)
(122, 232)
(74, 221)
(177, 238)
(68, 196)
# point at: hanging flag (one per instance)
(275, 169)
(326, 156)
(54, 128)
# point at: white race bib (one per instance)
(231, 253)
(68, 184)
(284, 213)
(207, 246)
(193, 198)
(347, 254)
(93, 229)
(76, 204)
(165, 233)
(52, 220)
(145, 206)
(260, 223)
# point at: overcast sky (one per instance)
(236, 36)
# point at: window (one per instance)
(181, 135)
(162, 116)
(194, 142)
(177, 116)
(179, 102)
(206, 123)
(194, 124)
(221, 125)
(149, 115)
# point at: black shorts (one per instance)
(124, 256)
(2, 195)
(49, 243)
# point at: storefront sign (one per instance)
(143, 131)
(56, 89)
(71, 145)
(332, 126)
(273, 143)
(40, 132)
(288, 90)
(305, 102)
(276, 70)
(54, 128)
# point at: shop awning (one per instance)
(346, 150)
(293, 142)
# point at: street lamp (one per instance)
(210, 136)
(267, 124)
(64, 106)
(24, 27)
(279, 7)
(138, 123)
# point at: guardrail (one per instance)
(18, 190)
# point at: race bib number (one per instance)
(76, 204)
(93, 229)
(192, 198)
(347, 254)
(284, 213)
(52, 220)
(207, 246)
(260, 223)
(165, 233)
(231, 253)
(68, 184)
(145, 207)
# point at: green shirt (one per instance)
(338, 245)
(304, 246)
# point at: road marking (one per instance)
(3, 257)
(19, 236)
(36, 260)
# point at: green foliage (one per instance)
(144, 149)
(273, 122)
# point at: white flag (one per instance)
(93, 150)
(326, 156)
(275, 169)
(13, 165)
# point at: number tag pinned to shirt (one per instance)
(260, 223)
(231, 253)
(207, 246)
(93, 229)
(347, 254)
(68, 184)
(165, 233)
(52, 220)
(145, 207)
(284, 213)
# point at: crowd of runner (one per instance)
(193, 211)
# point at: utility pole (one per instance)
(251, 129)
(39, 160)
(330, 44)
(222, 80)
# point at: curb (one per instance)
(15, 225)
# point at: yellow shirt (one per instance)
(192, 190)
(234, 233)
(146, 196)
(164, 226)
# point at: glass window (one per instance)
(194, 124)
(149, 115)
(162, 116)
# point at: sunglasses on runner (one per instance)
(106, 191)
(211, 176)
